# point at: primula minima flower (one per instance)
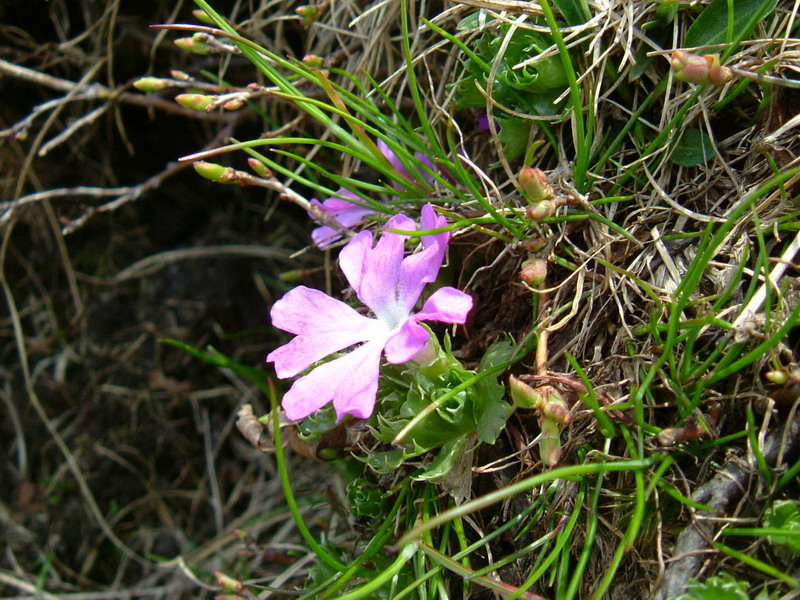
(345, 212)
(400, 168)
(348, 213)
(389, 284)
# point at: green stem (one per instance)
(291, 502)
(582, 144)
(521, 486)
(366, 591)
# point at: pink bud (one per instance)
(192, 44)
(229, 584)
(534, 272)
(555, 409)
(700, 70)
(234, 104)
(534, 184)
(534, 244)
(541, 210)
(260, 168)
(194, 101)
(309, 12)
(150, 84)
(523, 395)
(313, 61)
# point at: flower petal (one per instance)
(374, 272)
(428, 163)
(429, 219)
(356, 392)
(423, 267)
(346, 213)
(353, 394)
(398, 165)
(351, 258)
(392, 157)
(323, 326)
(446, 304)
(406, 343)
(416, 271)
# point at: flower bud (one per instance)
(211, 171)
(151, 84)
(228, 583)
(431, 360)
(523, 395)
(309, 12)
(542, 210)
(554, 408)
(534, 184)
(179, 75)
(534, 244)
(234, 104)
(779, 377)
(550, 443)
(217, 173)
(194, 101)
(694, 68)
(669, 436)
(201, 16)
(260, 168)
(313, 61)
(194, 44)
(533, 272)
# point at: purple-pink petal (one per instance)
(374, 272)
(428, 163)
(346, 214)
(400, 167)
(423, 267)
(392, 158)
(446, 304)
(406, 343)
(350, 381)
(416, 271)
(322, 325)
(351, 258)
(429, 219)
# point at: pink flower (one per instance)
(387, 282)
(345, 212)
(400, 168)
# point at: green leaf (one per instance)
(386, 462)
(784, 514)
(531, 89)
(445, 459)
(365, 498)
(711, 27)
(575, 12)
(724, 587)
(491, 408)
(513, 135)
(694, 148)
(317, 424)
(450, 420)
